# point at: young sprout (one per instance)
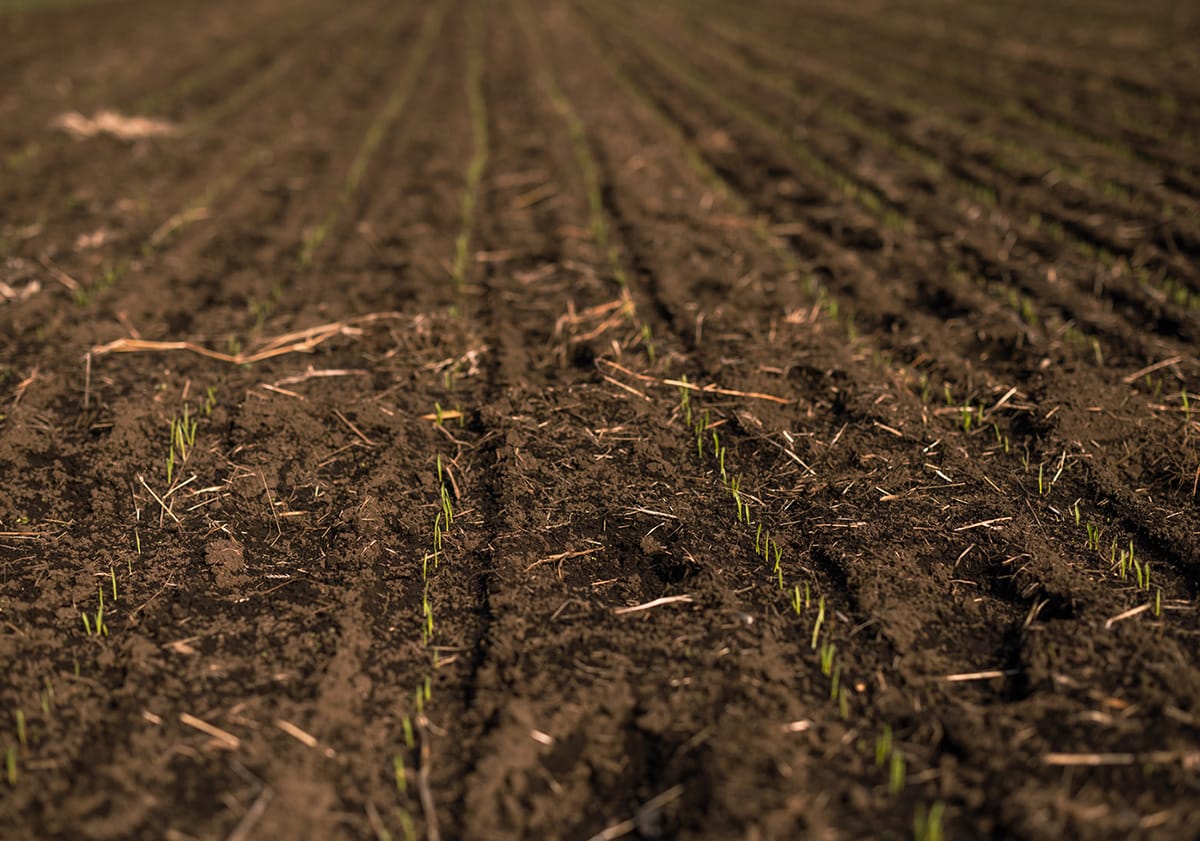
(758, 539)
(401, 774)
(967, 417)
(406, 724)
(406, 823)
(896, 773)
(797, 600)
(828, 650)
(19, 715)
(835, 681)
(1041, 481)
(1093, 533)
(1158, 603)
(883, 746)
(927, 823)
(820, 621)
(10, 765)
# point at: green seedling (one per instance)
(19, 715)
(820, 621)
(406, 823)
(828, 650)
(1041, 481)
(407, 726)
(1075, 511)
(10, 766)
(797, 600)
(400, 773)
(927, 823)
(447, 507)
(95, 625)
(182, 438)
(966, 419)
(835, 681)
(427, 624)
(758, 540)
(1093, 533)
(439, 414)
(896, 772)
(648, 339)
(883, 746)
(1158, 603)
(1141, 573)
(210, 401)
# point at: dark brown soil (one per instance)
(557, 419)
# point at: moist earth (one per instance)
(566, 419)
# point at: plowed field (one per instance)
(566, 419)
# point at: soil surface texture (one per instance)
(598, 419)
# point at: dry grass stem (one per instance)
(300, 341)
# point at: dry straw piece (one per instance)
(300, 341)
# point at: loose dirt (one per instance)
(580, 420)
